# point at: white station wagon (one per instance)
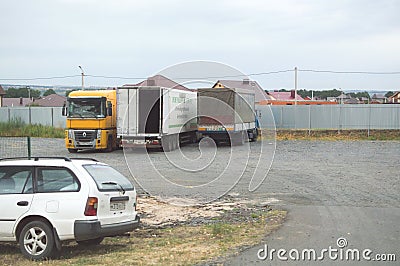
(47, 200)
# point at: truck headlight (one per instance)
(70, 133)
(98, 134)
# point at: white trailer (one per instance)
(156, 117)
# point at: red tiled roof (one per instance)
(284, 95)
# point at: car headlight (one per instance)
(70, 133)
(98, 134)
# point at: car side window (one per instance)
(56, 179)
(15, 179)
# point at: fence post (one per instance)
(9, 114)
(309, 120)
(52, 116)
(369, 119)
(30, 115)
(29, 147)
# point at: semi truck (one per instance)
(91, 120)
(154, 117)
(227, 115)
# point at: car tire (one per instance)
(72, 150)
(90, 242)
(36, 241)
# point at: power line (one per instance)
(350, 72)
(40, 78)
(210, 77)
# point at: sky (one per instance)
(133, 40)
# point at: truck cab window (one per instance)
(87, 107)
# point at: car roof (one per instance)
(47, 161)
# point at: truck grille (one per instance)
(85, 135)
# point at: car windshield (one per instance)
(107, 178)
(87, 107)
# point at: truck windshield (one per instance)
(87, 107)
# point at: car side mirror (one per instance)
(64, 110)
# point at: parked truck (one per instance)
(227, 115)
(156, 117)
(91, 120)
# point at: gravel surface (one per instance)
(348, 173)
(331, 189)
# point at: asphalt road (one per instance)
(347, 189)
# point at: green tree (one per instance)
(24, 92)
(389, 93)
(49, 92)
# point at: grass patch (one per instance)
(179, 245)
(335, 135)
(17, 128)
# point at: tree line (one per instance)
(26, 92)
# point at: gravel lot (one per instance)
(329, 173)
(331, 189)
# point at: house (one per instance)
(247, 84)
(352, 101)
(52, 100)
(395, 98)
(285, 95)
(160, 81)
(16, 102)
(2, 93)
(379, 98)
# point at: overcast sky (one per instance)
(140, 38)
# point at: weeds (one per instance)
(17, 128)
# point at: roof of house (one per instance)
(285, 95)
(16, 102)
(2, 92)
(260, 94)
(352, 101)
(378, 96)
(52, 100)
(160, 81)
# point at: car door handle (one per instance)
(22, 203)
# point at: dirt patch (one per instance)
(157, 214)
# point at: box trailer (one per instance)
(156, 117)
(227, 115)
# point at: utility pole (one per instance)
(83, 75)
(295, 85)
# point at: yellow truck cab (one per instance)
(91, 120)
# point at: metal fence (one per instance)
(48, 116)
(333, 117)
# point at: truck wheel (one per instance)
(36, 241)
(109, 144)
(72, 150)
(91, 242)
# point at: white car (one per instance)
(47, 200)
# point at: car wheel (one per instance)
(36, 241)
(90, 242)
(72, 150)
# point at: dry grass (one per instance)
(334, 135)
(179, 245)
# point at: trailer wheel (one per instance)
(166, 143)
